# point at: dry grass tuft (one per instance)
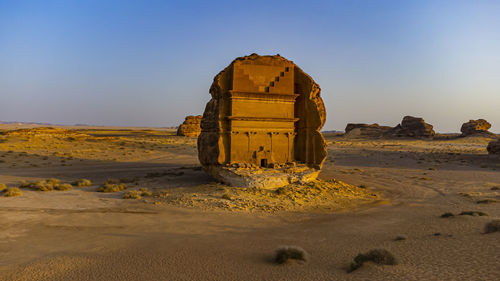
(111, 187)
(473, 213)
(400, 238)
(12, 192)
(63, 186)
(137, 194)
(82, 183)
(487, 201)
(46, 185)
(492, 226)
(378, 256)
(287, 253)
(447, 215)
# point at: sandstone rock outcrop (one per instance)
(191, 126)
(366, 130)
(264, 118)
(413, 127)
(474, 127)
(494, 147)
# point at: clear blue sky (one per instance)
(150, 63)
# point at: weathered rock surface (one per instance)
(265, 112)
(413, 127)
(494, 147)
(263, 178)
(191, 126)
(366, 130)
(474, 127)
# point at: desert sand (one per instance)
(191, 228)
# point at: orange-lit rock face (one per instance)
(266, 112)
(190, 127)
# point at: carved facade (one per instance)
(265, 111)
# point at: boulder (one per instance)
(366, 130)
(412, 127)
(474, 127)
(190, 127)
(494, 147)
(264, 118)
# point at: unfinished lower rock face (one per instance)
(413, 127)
(264, 178)
(190, 127)
(265, 112)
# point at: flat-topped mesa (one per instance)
(190, 127)
(262, 126)
(474, 127)
(354, 130)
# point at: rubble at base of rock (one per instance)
(263, 178)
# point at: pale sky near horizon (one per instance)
(151, 63)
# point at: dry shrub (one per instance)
(145, 192)
(63, 186)
(111, 187)
(112, 181)
(487, 201)
(492, 226)
(82, 182)
(378, 256)
(137, 194)
(12, 191)
(400, 238)
(287, 253)
(447, 215)
(53, 181)
(473, 213)
(46, 185)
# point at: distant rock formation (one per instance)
(494, 147)
(354, 130)
(413, 127)
(474, 127)
(190, 127)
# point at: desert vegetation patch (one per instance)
(46, 185)
(286, 254)
(137, 194)
(378, 256)
(11, 192)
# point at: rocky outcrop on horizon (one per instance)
(413, 127)
(190, 127)
(354, 130)
(474, 127)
